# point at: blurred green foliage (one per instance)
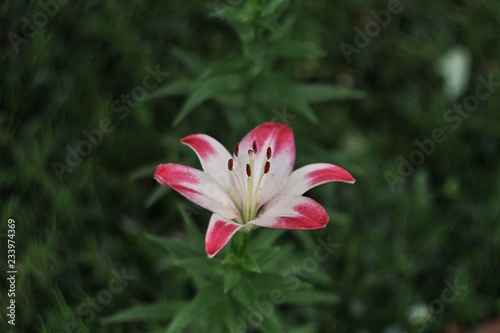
(77, 227)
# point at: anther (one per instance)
(267, 167)
(254, 146)
(249, 171)
(230, 164)
(269, 152)
(236, 149)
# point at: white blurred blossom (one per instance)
(455, 67)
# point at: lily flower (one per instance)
(253, 187)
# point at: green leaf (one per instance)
(294, 49)
(304, 297)
(231, 259)
(223, 67)
(308, 328)
(192, 62)
(244, 292)
(239, 20)
(283, 255)
(220, 9)
(178, 247)
(320, 93)
(266, 282)
(142, 172)
(155, 312)
(274, 27)
(272, 323)
(199, 266)
(265, 253)
(276, 88)
(231, 277)
(273, 6)
(268, 237)
(250, 264)
(231, 102)
(179, 87)
(306, 238)
(229, 313)
(192, 228)
(207, 90)
(157, 194)
(203, 301)
(246, 262)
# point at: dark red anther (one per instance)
(230, 164)
(236, 149)
(249, 171)
(269, 152)
(267, 167)
(254, 146)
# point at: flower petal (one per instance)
(198, 187)
(279, 138)
(312, 175)
(293, 213)
(214, 161)
(220, 231)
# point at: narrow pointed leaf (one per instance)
(203, 301)
(250, 264)
(321, 93)
(229, 314)
(157, 194)
(308, 328)
(264, 254)
(161, 311)
(192, 62)
(231, 277)
(178, 247)
(193, 230)
(294, 49)
(274, 6)
(245, 294)
(206, 91)
(311, 297)
(199, 265)
(277, 88)
(180, 87)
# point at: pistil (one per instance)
(250, 200)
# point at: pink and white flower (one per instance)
(254, 187)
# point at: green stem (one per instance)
(239, 244)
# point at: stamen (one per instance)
(254, 146)
(267, 167)
(236, 149)
(249, 170)
(230, 164)
(269, 152)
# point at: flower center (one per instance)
(255, 170)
